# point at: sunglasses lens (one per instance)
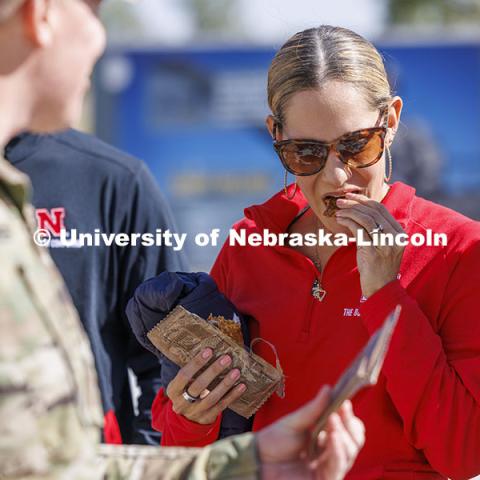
(361, 149)
(304, 158)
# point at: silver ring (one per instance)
(378, 229)
(189, 398)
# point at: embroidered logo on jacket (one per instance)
(52, 220)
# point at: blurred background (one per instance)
(183, 86)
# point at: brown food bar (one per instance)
(331, 203)
(228, 327)
(181, 335)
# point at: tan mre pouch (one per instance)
(181, 335)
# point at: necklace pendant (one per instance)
(317, 291)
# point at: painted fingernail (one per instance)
(241, 387)
(342, 201)
(225, 360)
(207, 353)
(235, 374)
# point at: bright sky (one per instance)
(276, 20)
(268, 21)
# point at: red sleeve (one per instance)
(178, 431)
(434, 378)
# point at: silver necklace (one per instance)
(317, 291)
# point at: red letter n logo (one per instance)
(51, 220)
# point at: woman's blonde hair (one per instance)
(315, 56)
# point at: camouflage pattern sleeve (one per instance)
(50, 413)
(232, 458)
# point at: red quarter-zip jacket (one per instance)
(423, 417)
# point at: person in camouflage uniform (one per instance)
(50, 411)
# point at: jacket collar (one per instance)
(399, 202)
(277, 213)
(23, 146)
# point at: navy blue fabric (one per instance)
(100, 187)
(198, 293)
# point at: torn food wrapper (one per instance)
(181, 335)
(362, 372)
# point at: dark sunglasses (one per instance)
(359, 149)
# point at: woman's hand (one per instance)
(377, 265)
(282, 447)
(209, 405)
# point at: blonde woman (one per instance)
(333, 120)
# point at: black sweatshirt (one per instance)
(82, 183)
